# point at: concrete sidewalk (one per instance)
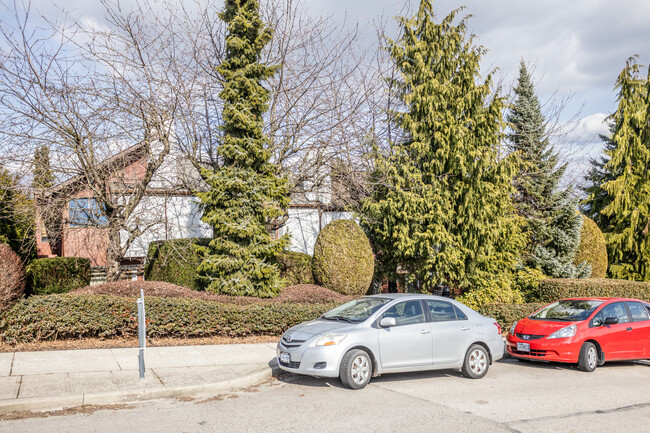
(50, 380)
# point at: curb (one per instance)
(58, 402)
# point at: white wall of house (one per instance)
(304, 224)
(166, 218)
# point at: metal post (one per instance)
(142, 333)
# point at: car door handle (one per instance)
(628, 329)
(464, 328)
(425, 331)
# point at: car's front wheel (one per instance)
(477, 362)
(356, 369)
(588, 358)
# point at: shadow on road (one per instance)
(563, 366)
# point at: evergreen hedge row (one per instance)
(69, 316)
(57, 274)
(507, 314)
(553, 289)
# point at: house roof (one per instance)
(116, 162)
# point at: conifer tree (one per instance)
(9, 230)
(597, 198)
(552, 222)
(43, 177)
(245, 191)
(628, 240)
(443, 212)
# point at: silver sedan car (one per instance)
(391, 333)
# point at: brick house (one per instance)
(169, 210)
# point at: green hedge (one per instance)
(554, 289)
(70, 316)
(507, 314)
(175, 261)
(295, 268)
(57, 274)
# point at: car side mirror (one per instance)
(387, 322)
(611, 320)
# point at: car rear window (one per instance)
(639, 313)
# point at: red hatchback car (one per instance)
(587, 331)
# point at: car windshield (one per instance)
(569, 310)
(355, 311)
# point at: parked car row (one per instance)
(393, 333)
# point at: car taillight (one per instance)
(498, 327)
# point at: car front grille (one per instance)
(290, 364)
(292, 344)
(533, 352)
(529, 337)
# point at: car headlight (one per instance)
(565, 332)
(512, 328)
(330, 339)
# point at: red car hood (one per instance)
(539, 327)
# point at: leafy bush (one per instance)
(12, 277)
(554, 289)
(507, 314)
(175, 261)
(295, 268)
(71, 316)
(343, 260)
(497, 290)
(58, 274)
(527, 281)
(592, 249)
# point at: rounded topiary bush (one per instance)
(592, 249)
(295, 268)
(343, 259)
(12, 277)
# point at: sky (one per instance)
(574, 48)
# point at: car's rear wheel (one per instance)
(588, 358)
(356, 369)
(477, 362)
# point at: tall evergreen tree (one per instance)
(597, 198)
(9, 229)
(552, 222)
(245, 191)
(43, 177)
(628, 234)
(444, 213)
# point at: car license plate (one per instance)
(284, 357)
(523, 347)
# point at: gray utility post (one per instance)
(142, 333)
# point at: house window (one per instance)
(85, 212)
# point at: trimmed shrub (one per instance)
(295, 268)
(498, 290)
(175, 261)
(592, 249)
(343, 259)
(71, 316)
(58, 274)
(554, 289)
(12, 277)
(507, 314)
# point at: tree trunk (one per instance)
(114, 255)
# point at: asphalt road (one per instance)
(513, 397)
